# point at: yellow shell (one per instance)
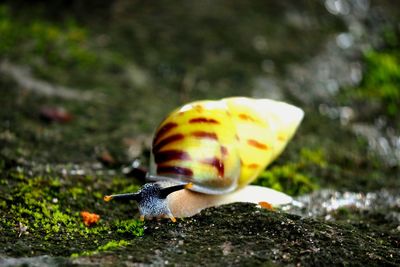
(222, 145)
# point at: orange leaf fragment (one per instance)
(89, 218)
(266, 205)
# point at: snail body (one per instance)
(215, 149)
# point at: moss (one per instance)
(35, 206)
(287, 179)
(130, 227)
(381, 79)
(130, 188)
(51, 47)
(293, 178)
(49, 207)
(62, 46)
(77, 192)
(111, 245)
(313, 157)
(269, 237)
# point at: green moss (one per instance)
(62, 46)
(131, 227)
(293, 178)
(36, 206)
(125, 185)
(111, 245)
(49, 206)
(131, 188)
(50, 48)
(313, 156)
(381, 79)
(287, 179)
(77, 192)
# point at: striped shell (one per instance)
(222, 145)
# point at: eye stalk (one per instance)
(151, 199)
(128, 196)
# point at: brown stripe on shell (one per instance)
(174, 170)
(166, 141)
(256, 144)
(168, 155)
(203, 134)
(252, 166)
(203, 120)
(164, 129)
(217, 163)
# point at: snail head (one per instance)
(151, 199)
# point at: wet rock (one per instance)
(40, 261)
(242, 234)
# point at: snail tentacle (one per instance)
(127, 196)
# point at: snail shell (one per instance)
(221, 145)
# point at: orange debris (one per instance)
(89, 218)
(265, 205)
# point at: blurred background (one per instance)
(88, 81)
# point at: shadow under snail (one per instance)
(206, 153)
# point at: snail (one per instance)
(206, 153)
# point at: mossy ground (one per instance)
(42, 214)
(51, 171)
(253, 236)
